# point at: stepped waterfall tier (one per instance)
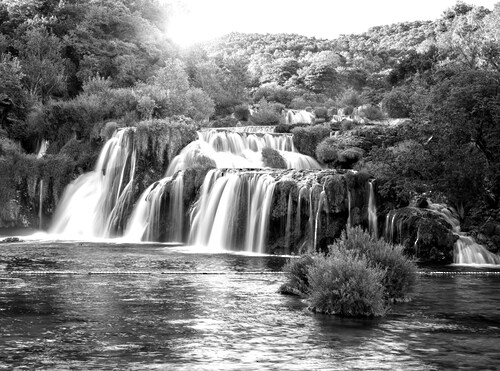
(238, 207)
(240, 150)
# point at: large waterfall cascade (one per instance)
(233, 208)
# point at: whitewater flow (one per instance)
(466, 250)
(233, 211)
(93, 204)
(372, 211)
(239, 150)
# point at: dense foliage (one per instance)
(71, 71)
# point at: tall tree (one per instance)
(42, 63)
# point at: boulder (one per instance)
(10, 214)
(425, 234)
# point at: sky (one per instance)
(202, 20)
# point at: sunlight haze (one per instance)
(200, 20)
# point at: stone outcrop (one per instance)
(10, 214)
(424, 233)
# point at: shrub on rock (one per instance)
(272, 158)
(306, 139)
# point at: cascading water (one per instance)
(240, 150)
(277, 210)
(159, 213)
(233, 211)
(372, 211)
(466, 250)
(93, 204)
(44, 145)
(401, 223)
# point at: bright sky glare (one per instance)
(201, 20)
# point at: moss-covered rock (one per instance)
(424, 233)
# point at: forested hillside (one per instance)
(72, 71)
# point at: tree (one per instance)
(463, 118)
(320, 78)
(113, 41)
(201, 106)
(11, 76)
(42, 63)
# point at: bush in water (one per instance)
(400, 273)
(359, 277)
(297, 271)
(346, 284)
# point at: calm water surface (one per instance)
(84, 306)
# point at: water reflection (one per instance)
(205, 312)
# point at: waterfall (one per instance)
(389, 226)
(372, 211)
(466, 250)
(240, 150)
(233, 211)
(44, 145)
(159, 213)
(288, 227)
(248, 129)
(92, 205)
(236, 208)
(319, 207)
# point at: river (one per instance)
(102, 305)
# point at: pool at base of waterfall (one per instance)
(84, 306)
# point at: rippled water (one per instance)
(104, 306)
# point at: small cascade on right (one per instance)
(372, 211)
(466, 251)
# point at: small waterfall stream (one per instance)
(372, 211)
(466, 250)
(44, 145)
